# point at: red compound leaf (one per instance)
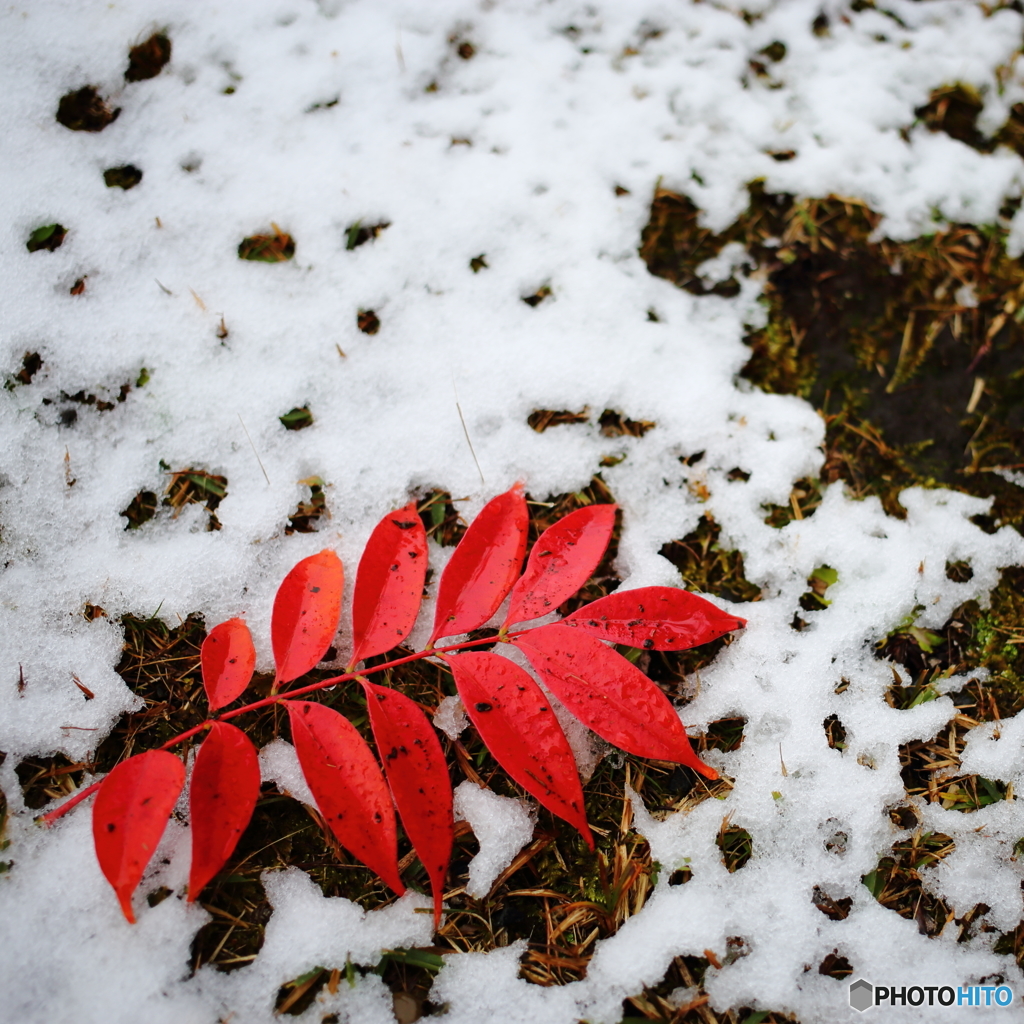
(306, 612)
(222, 794)
(609, 695)
(228, 659)
(348, 787)
(516, 723)
(418, 776)
(483, 567)
(654, 618)
(389, 584)
(129, 817)
(561, 561)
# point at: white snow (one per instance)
(502, 825)
(513, 154)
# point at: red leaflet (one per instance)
(228, 659)
(609, 695)
(418, 776)
(389, 583)
(348, 786)
(222, 794)
(561, 561)
(306, 612)
(515, 721)
(655, 618)
(129, 817)
(483, 567)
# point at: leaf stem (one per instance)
(277, 698)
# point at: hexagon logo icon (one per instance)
(861, 995)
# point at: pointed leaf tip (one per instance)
(561, 561)
(389, 584)
(307, 608)
(223, 791)
(129, 816)
(654, 618)
(483, 567)
(228, 660)
(514, 719)
(418, 776)
(609, 695)
(347, 784)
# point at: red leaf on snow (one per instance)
(228, 659)
(483, 567)
(609, 695)
(654, 618)
(418, 776)
(561, 561)
(129, 817)
(389, 583)
(348, 787)
(306, 612)
(222, 794)
(516, 723)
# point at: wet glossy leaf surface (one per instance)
(483, 567)
(222, 794)
(516, 723)
(418, 776)
(306, 612)
(654, 618)
(350, 791)
(389, 583)
(609, 695)
(228, 659)
(561, 561)
(129, 817)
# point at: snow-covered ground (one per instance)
(313, 116)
